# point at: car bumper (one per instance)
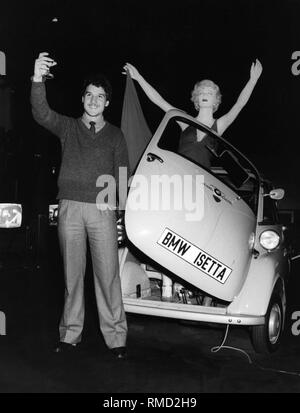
(190, 312)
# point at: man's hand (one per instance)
(256, 70)
(41, 66)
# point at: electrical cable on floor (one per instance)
(215, 349)
(221, 346)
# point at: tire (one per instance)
(266, 338)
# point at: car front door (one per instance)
(186, 218)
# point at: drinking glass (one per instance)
(48, 75)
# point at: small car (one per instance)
(204, 241)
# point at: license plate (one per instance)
(195, 256)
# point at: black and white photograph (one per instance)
(149, 199)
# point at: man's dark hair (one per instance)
(98, 80)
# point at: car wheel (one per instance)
(266, 338)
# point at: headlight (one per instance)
(269, 240)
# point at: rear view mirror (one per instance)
(276, 194)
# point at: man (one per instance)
(91, 148)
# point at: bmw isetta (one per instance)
(204, 241)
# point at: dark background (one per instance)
(173, 44)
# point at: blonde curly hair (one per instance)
(206, 83)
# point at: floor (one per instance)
(164, 355)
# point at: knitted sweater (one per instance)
(85, 156)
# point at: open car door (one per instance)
(197, 221)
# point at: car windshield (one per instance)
(202, 147)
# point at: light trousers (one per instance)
(76, 222)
